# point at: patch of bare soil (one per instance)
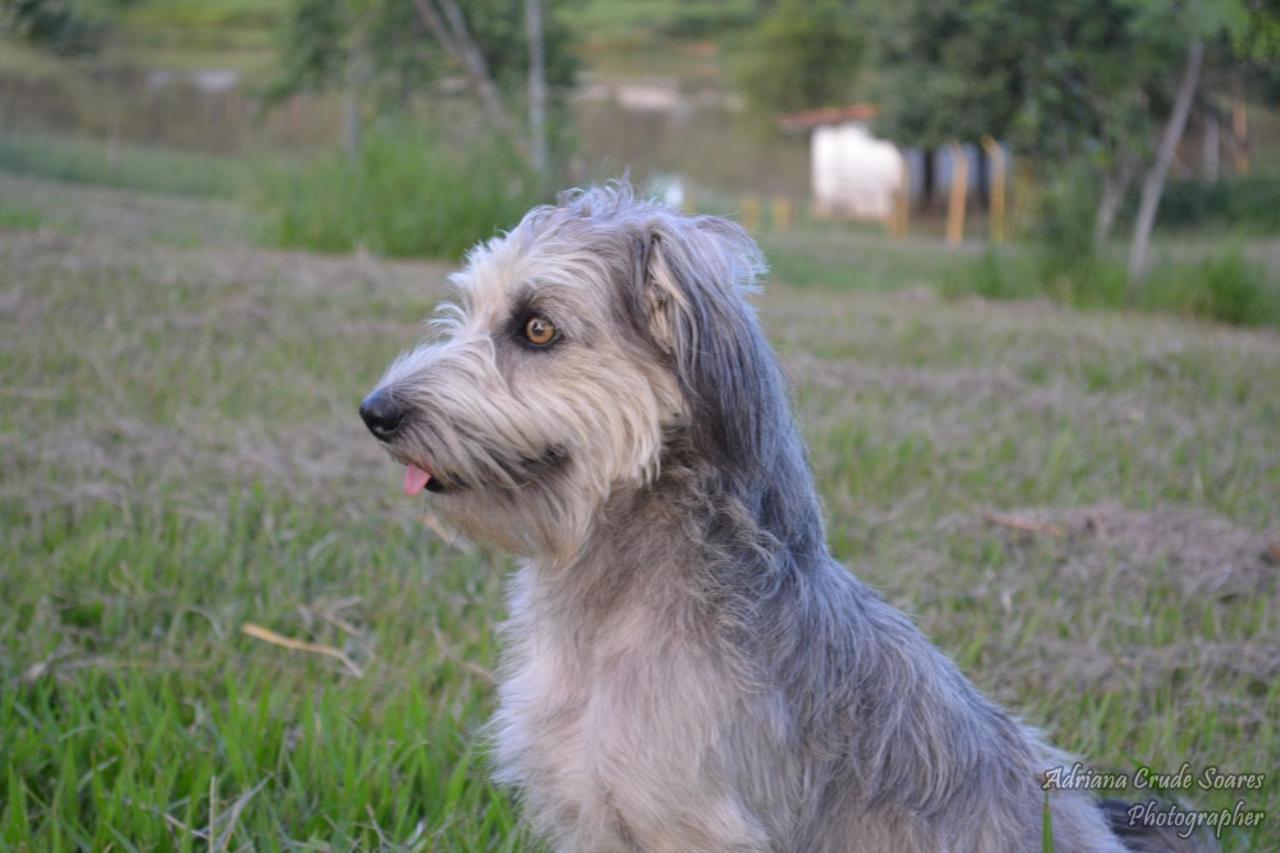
(1203, 554)
(1256, 660)
(1110, 550)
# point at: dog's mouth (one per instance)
(419, 478)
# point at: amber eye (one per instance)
(539, 331)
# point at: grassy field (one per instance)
(66, 158)
(1081, 508)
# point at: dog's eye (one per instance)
(540, 331)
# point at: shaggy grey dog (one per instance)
(686, 667)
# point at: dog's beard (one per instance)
(549, 517)
(528, 501)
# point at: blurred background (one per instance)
(1026, 283)
(1092, 129)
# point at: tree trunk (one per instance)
(352, 120)
(1115, 186)
(457, 42)
(537, 87)
(1153, 184)
(1240, 132)
(1211, 156)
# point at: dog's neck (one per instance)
(672, 543)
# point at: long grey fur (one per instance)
(686, 667)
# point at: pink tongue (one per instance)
(415, 480)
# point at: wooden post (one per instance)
(1240, 130)
(959, 194)
(996, 155)
(781, 214)
(751, 209)
(901, 199)
(537, 88)
(1211, 146)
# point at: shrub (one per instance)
(1230, 289)
(1091, 281)
(1064, 263)
(53, 25)
(992, 276)
(407, 192)
(1243, 203)
(19, 219)
(1063, 230)
(1224, 287)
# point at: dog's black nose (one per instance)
(381, 414)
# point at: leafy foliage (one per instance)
(1251, 203)
(1056, 78)
(803, 54)
(1094, 81)
(313, 52)
(63, 27)
(499, 31)
(322, 35)
(947, 70)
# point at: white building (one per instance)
(855, 175)
(852, 173)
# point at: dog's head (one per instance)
(580, 345)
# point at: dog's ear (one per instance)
(694, 274)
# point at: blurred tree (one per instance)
(364, 48)
(382, 51)
(802, 54)
(1094, 80)
(1153, 183)
(534, 32)
(947, 70)
(64, 27)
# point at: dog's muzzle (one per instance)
(382, 415)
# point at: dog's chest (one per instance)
(609, 732)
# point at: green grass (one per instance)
(625, 18)
(180, 456)
(207, 14)
(856, 257)
(88, 161)
(1221, 285)
(19, 218)
(1046, 844)
(121, 216)
(170, 711)
(407, 192)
